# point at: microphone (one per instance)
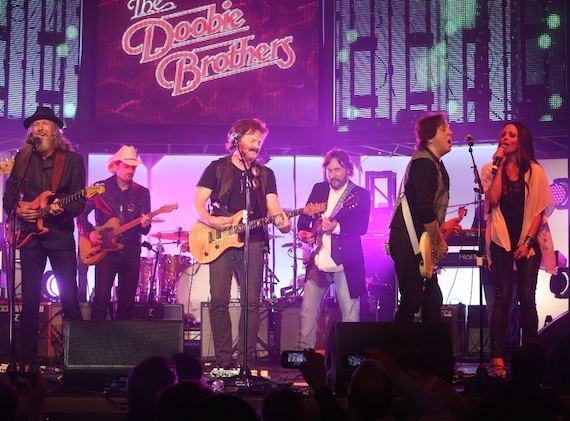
(146, 245)
(497, 161)
(33, 140)
(236, 136)
(469, 139)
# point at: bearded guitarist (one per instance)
(45, 163)
(424, 196)
(126, 201)
(338, 257)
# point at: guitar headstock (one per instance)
(167, 208)
(91, 191)
(461, 212)
(6, 166)
(313, 208)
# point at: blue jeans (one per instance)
(221, 273)
(316, 285)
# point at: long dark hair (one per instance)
(525, 153)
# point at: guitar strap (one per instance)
(349, 187)
(410, 225)
(57, 170)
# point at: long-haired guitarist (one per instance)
(426, 190)
(337, 257)
(219, 200)
(53, 168)
(122, 202)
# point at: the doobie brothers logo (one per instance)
(210, 45)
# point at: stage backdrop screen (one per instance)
(207, 62)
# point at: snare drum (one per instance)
(193, 288)
(145, 274)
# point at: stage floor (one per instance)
(110, 404)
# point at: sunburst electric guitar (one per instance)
(207, 243)
(91, 254)
(428, 263)
(23, 231)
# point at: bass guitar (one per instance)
(348, 203)
(91, 254)
(207, 243)
(428, 263)
(23, 231)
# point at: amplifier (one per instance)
(45, 348)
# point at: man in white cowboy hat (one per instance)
(44, 164)
(126, 200)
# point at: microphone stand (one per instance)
(11, 286)
(152, 287)
(481, 374)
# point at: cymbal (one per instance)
(157, 220)
(175, 235)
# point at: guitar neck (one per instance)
(256, 223)
(133, 223)
(62, 202)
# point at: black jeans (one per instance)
(413, 296)
(502, 274)
(221, 273)
(64, 265)
(126, 266)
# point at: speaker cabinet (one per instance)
(455, 316)
(289, 323)
(207, 353)
(432, 339)
(45, 349)
(474, 338)
(100, 353)
(158, 311)
(555, 339)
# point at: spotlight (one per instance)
(559, 188)
(559, 284)
(50, 291)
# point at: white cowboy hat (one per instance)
(127, 154)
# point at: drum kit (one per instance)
(159, 275)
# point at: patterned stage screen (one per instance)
(208, 62)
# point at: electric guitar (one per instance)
(22, 231)
(207, 243)
(349, 202)
(6, 166)
(91, 254)
(428, 263)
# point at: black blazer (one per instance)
(61, 227)
(346, 248)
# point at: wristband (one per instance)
(529, 241)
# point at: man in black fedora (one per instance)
(45, 163)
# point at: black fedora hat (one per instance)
(43, 113)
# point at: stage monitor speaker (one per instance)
(555, 339)
(432, 339)
(100, 353)
(263, 348)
